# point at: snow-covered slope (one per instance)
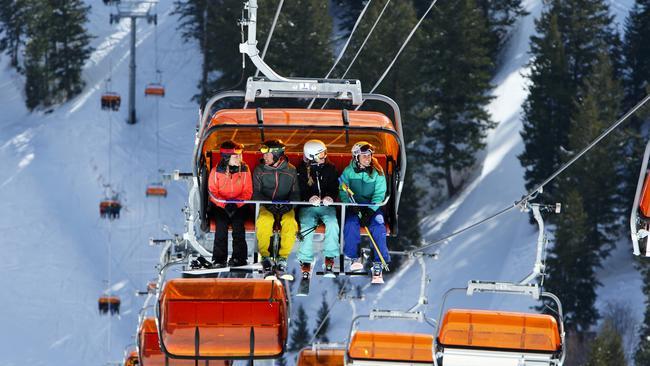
(54, 165)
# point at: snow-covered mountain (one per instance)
(59, 254)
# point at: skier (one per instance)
(363, 181)
(230, 180)
(275, 180)
(318, 180)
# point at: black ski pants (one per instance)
(239, 248)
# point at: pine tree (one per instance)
(300, 46)
(300, 333)
(607, 348)
(13, 26)
(500, 16)
(572, 33)
(571, 274)
(453, 89)
(348, 11)
(57, 49)
(323, 321)
(598, 174)
(281, 361)
(637, 52)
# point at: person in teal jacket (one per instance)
(366, 183)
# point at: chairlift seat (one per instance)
(321, 357)
(222, 312)
(154, 89)
(109, 304)
(390, 348)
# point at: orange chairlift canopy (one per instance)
(391, 346)
(218, 314)
(499, 330)
(644, 202)
(156, 190)
(296, 126)
(321, 357)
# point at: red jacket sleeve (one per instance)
(213, 187)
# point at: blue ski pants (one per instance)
(353, 236)
(310, 217)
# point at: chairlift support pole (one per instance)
(133, 10)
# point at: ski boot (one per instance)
(267, 268)
(280, 268)
(234, 262)
(356, 265)
(377, 277)
(329, 267)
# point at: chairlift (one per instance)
(132, 359)
(640, 215)
(110, 208)
(223, 318)
(111, 101)
(154, 90)
(389, 347)
(156, 190)
(108, 304)
(488, 337)
(322, 355)
(149, 348)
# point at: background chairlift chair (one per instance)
(322, 355)
(154, 90)
(498, 338)
(366, 348)
(156, 190)
(108, 304)
(110, 208)
(110, 101)
(640, 214)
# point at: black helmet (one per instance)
(275, 147)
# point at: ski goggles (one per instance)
(233, 151)
(265, 149)
(320, 156)
(366, 149)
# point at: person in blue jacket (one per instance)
(363, 181)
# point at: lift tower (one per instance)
(133, 10)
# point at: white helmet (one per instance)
(362, 148)
(313, 149)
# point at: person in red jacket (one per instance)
(230, 180)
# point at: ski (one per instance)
(303, 288)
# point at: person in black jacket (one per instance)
(275, 180)
(318, 180)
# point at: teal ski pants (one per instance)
(310, 217)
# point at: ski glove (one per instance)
(365, 215)
(230, 208)
(279, 209)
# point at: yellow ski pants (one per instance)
(264, 231)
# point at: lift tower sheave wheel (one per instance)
(133, 10)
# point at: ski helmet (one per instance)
(314, 150)
(362, 148)
(275, 147)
